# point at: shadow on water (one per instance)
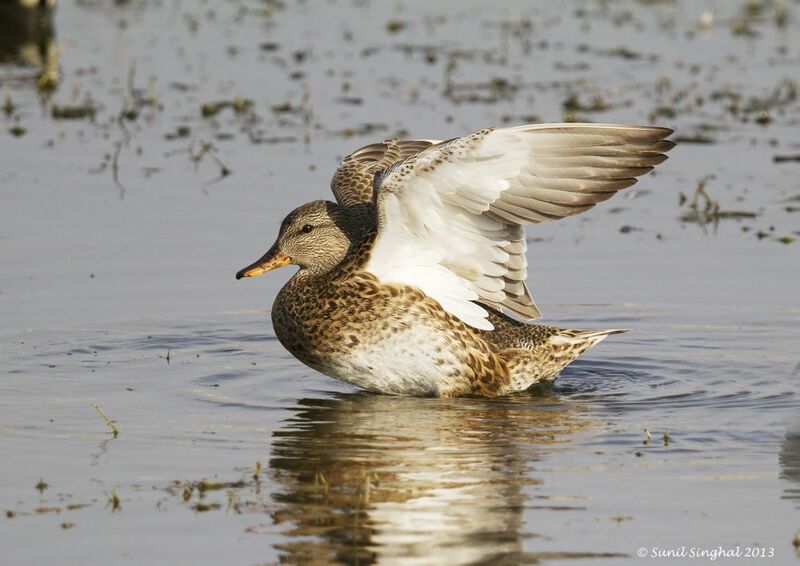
(365, 479)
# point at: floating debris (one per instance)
(710, 212)
(238, 104)
(197, 152)
(395, 26)
(490, 92)
(41, 485)
(596, 104)
(284, 108)
(113, 501)
(354, 100)
(201, 507)
(73, 112)
(8, 105)
(179, 133)
(621, 52)
(662, 112)
(204, 485)
(362, 130)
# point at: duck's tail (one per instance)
(566, 345)
(546, 360)
(582, 339)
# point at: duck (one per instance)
(413, 281)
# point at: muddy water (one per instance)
(149, 150)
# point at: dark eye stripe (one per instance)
(307, 228)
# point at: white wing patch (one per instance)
(404, 258)
(450, 216)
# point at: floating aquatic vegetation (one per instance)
(179, 133)
(362, 130)
(109, 422)
(113, 501)
(489, 92)
(8, 105)
(395, 26)
(597, 103)
(622, 52)
(709, 212)
(74, 112)
(238, 104)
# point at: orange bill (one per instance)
(273, 259)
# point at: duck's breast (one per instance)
(371, 336)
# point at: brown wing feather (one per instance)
(352, 182)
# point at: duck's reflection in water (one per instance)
(367, 478)
(789, 458)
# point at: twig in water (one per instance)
(113, 501)
(205, 148)
(109, 422)
(115, 169)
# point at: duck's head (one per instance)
(312, 236)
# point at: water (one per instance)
(122, 293)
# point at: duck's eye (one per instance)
(307, 228)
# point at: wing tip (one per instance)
(660, 132)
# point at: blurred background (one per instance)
(149, 148)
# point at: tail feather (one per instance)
(544, 361)
(587, 338)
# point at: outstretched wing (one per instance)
(352, 182)
(451, 216)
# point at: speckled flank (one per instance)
(386, 338)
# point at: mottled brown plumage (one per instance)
(354, 313)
